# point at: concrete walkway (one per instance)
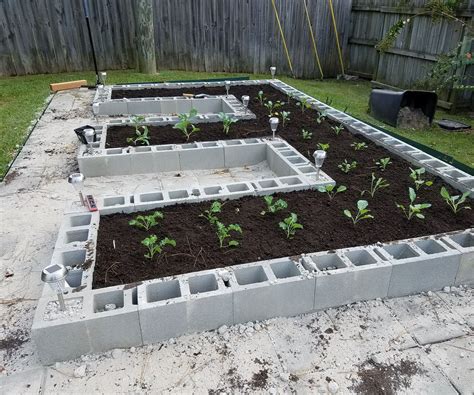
(419, 344)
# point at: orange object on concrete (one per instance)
(61, 86)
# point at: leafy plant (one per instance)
(346, 167)
(285, 117)
(141, 132)
(272, 107)
(324, 147)
(321, 117)
(331, 190)
(215, 208)
(304, 104)
(227, 121)
(383, 163)
(413, 209)
(223, 233)
(375, 185)
(337, 129)
(417, 177)
(455, 202)
(156, 247)
(185, 122)
(359, 146)
(146, 221)
(260, 97)
(362, 212)
(273, 206)
(290, 225)
(306, 134)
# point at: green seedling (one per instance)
(261, 98)
(359, 146)
(285, 117)
(413, 209)
(321, 117)
(210, 214)
(185, 122)
(456, 202)
(146, 221)
(141, 136)
(306, 134)
(304, 104)
(290, 225)
(383, 163)
(417, 177)
(331, 190)
(324, 147)
(273, 206)
(156, 247)
(376, 185)
(272, 107)
(227, 121)
(346, 167)
(362, 212)
(223, 233)
(337, 129)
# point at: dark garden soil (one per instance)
(325, 226)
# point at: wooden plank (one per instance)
(61, 86)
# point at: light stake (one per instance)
(77, 181)
(103, 77)
(245, 102)
(273, 70)
(55, 276)
(89, 134)
(274, 125)
(319, 156)
(227, 87)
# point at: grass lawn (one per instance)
(21, 98)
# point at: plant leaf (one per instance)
(362, 204)
(347, 213)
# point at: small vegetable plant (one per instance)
(376, 185)
(383, 163)
(223, 233)
(337, 129)
(417, 177)
(260, 97)
(324, 147)
(346, 167)
(273, 206)
(141, 131)
(185, 122)
(456, 202)
(290, 225)
(285, 117)
(321, 117)
(210, 214)
(413, 209)
(227, 121)
(156, 247)
(306, 134)
(359, 146)
(272, 107)
(146, 221)
(331, 190)
(362, 212)
(304, 104)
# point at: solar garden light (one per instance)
(89, 135)
(274, 125)
(55, 275)
(95, 108)
(103, 77)
(77, 181)
(319, 156)
(273, 70)
(245, 102)
(227, 87)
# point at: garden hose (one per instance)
(315, 48)
(337, 36)
(283, 38)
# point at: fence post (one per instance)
(145, 36)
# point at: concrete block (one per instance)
(414, 270)
(92, 166)
(238, 154)
(280, 166)
(237, 190)
(197, 157)
(141, 161)
(117, 162)
(162, 310)
(165, 158)
(464, 243)
(278, 286)
(138, 106)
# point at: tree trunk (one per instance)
(145, 36)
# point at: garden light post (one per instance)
(89, 135)
(319, 156)
(245, 102)
(55, 276)
(274, 125)
(227, 87)
(103, 77)
(77, 181)
(273, 70)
